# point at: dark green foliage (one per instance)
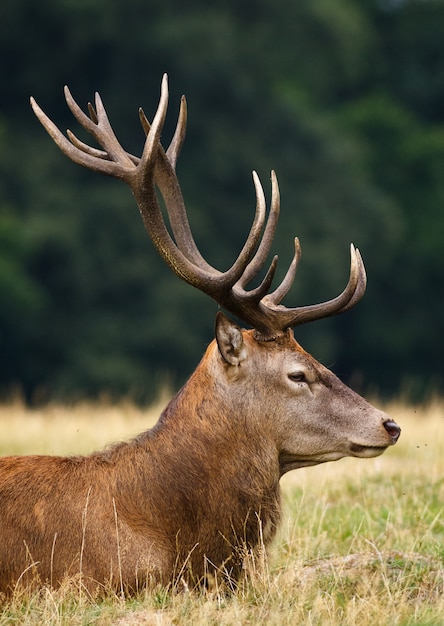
(343, 99)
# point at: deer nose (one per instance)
(393, 430)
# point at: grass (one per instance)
(362, 541)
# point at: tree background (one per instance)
(344, 100)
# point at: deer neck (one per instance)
(203, 432)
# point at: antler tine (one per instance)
(179, 136)
(89, 123)
(92, 113)
(80, 145)
(99, 154)
(290, 317)
(98, 125)
(240, 266)
(263, 250)
(144, 121)
(361, 282)
(176, 144)
(281, 291)
(73, 152)
(152, 143)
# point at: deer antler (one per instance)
(256, 307)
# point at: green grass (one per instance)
(361, 542)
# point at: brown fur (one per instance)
(188, 498)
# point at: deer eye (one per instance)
(297, 377)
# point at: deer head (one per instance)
(259, 307)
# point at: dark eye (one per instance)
(297, 377)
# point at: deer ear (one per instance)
(229, 340)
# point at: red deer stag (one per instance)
(191, 497)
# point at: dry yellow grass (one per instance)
(361, 540)
(66, 430)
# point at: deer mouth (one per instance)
(359, 450)
(393, 431)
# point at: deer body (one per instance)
(190, 498)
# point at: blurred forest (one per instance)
(344, 99)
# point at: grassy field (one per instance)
(362, 541)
